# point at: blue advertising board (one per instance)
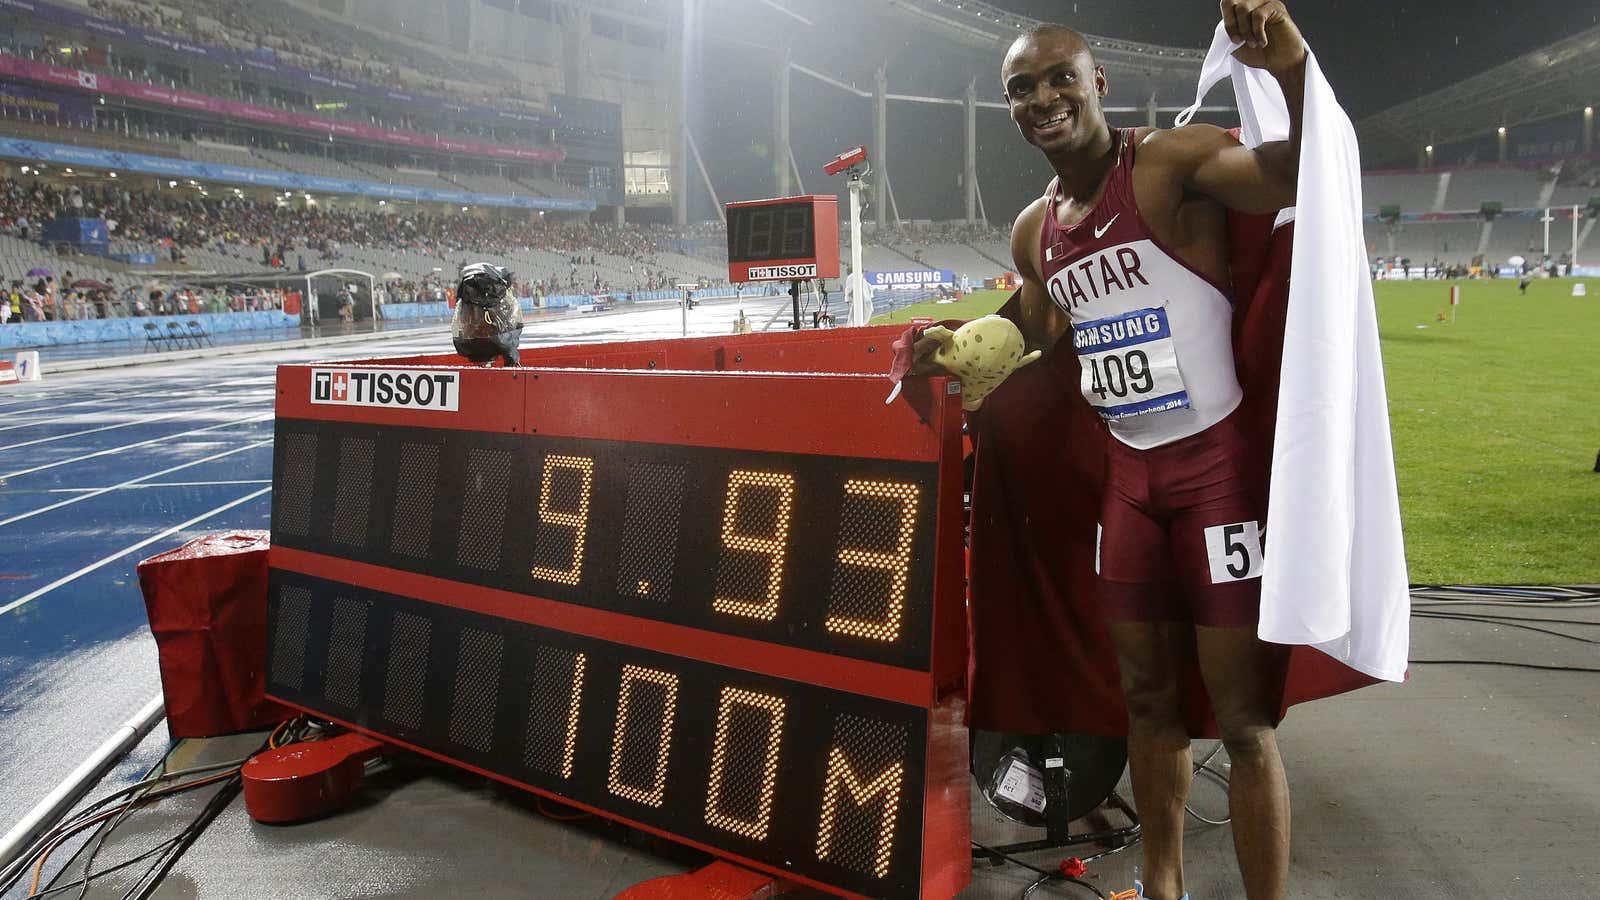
(89, 235)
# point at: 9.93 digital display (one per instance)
(813, 552)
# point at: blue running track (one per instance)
(100, 470)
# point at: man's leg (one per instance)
(1243, 677)
(1149, 657)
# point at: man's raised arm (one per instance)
(1263, 179)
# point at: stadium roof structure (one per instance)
(1168, 74)
(974, 19)
(1557, 79)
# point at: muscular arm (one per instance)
(1041, 322)
(1208, 159)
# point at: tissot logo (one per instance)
(405, 388)
(783, 272)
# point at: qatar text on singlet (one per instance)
(1153, 336)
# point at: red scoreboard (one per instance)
(783, 239)
(676, 583)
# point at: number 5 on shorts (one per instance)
(1234, 551)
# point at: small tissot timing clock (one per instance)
(693, 586)
(785, 239)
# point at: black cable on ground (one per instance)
(147, 883)
(1496, 662)
(108, 869)
(1043, 880)
(1505, 617)
(14, 872)
(1048, 875)
(1204, 766)
(100, 840)
(152, 878)
(1504, 621)
(149, 789)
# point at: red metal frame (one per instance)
(704, 392)
(837, 351)
(824, 229)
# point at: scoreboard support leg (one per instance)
(794, 297)
(719, 880)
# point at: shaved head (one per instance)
(1053, 88)
(1057, 31)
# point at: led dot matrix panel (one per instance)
(671, 582)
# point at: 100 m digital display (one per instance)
(826, 784)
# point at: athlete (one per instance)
(1128, 250)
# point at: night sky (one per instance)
(1366, 48)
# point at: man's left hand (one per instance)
(1271, 39)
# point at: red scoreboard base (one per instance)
(717, 881)
(306, 781)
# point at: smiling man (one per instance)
(1128, 249)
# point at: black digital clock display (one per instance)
(735, 541)
(827, 782)
(723, 606)
(773, 232)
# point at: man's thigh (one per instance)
(1150, 658)
(1243, 676)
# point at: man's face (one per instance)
(1053, 89)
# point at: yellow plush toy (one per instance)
(982, 353)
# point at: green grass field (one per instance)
(1496, 424)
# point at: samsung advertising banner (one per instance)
(915, 279)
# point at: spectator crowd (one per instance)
(171, 224)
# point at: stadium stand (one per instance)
(1412, 192)
(1426, 241)
(1578, 183)
(1512, 186)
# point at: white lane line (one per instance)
(67, 579)
(143, 420)
(53, 407)
(258, 417)
(158, 484)
(165, 401)
(136, 482)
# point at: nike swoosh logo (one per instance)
(1100, 232)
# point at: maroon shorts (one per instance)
(1179, 535)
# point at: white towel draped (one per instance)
(1335, 570)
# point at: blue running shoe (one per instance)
(1136, 894)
